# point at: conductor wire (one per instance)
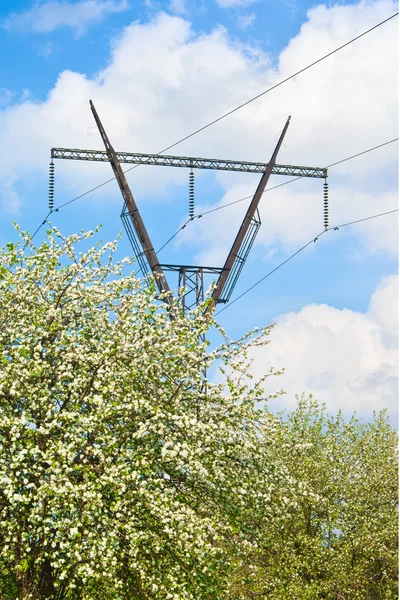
(314, 239)
(227, 114)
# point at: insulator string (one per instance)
(191, 194)
(51, 186)
(326, 204)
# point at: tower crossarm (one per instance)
(162, 160)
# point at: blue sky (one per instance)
(158, 70)
(37, 59)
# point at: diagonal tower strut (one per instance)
(191, 277)
(235, 261)
(141, 232)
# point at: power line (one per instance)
(207, 212)
(88, 192)
(39, 228)
(389, 212)
(297, 178)
(227, 114)
(173, 236)
(223, 205)
(279, 84)
(314, 239)
(338, 162)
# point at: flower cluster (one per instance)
(122, 474)
(126, 475)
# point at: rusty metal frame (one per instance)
(237, 248)
(137, 222)
(240, 259)
(190, 277)
(163, 160)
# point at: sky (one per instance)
(156, 71)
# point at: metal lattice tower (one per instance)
(190, 277)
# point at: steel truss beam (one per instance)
(192, 279)
(191, 162)
(191, 268)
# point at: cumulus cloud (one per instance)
(45, 17)
(291, 216)
(347, 359)
(175, 84)
(180, 80)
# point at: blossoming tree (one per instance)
(122, 475)
(125, 475)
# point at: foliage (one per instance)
(122, 476)
(333, 533)
(125, 475)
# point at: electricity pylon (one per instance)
(190, 277)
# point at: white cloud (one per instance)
(45, 17)
(245, 21)
(178, 6)
(291, 216)
(180, 80)
(347, 359)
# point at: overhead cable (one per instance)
(296, 178)
(212, 210)
(240, 106)
(389, 212)
(38, 228)
(223, 205)
(314, 239)
(227, 114)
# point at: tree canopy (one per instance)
(125, 474)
